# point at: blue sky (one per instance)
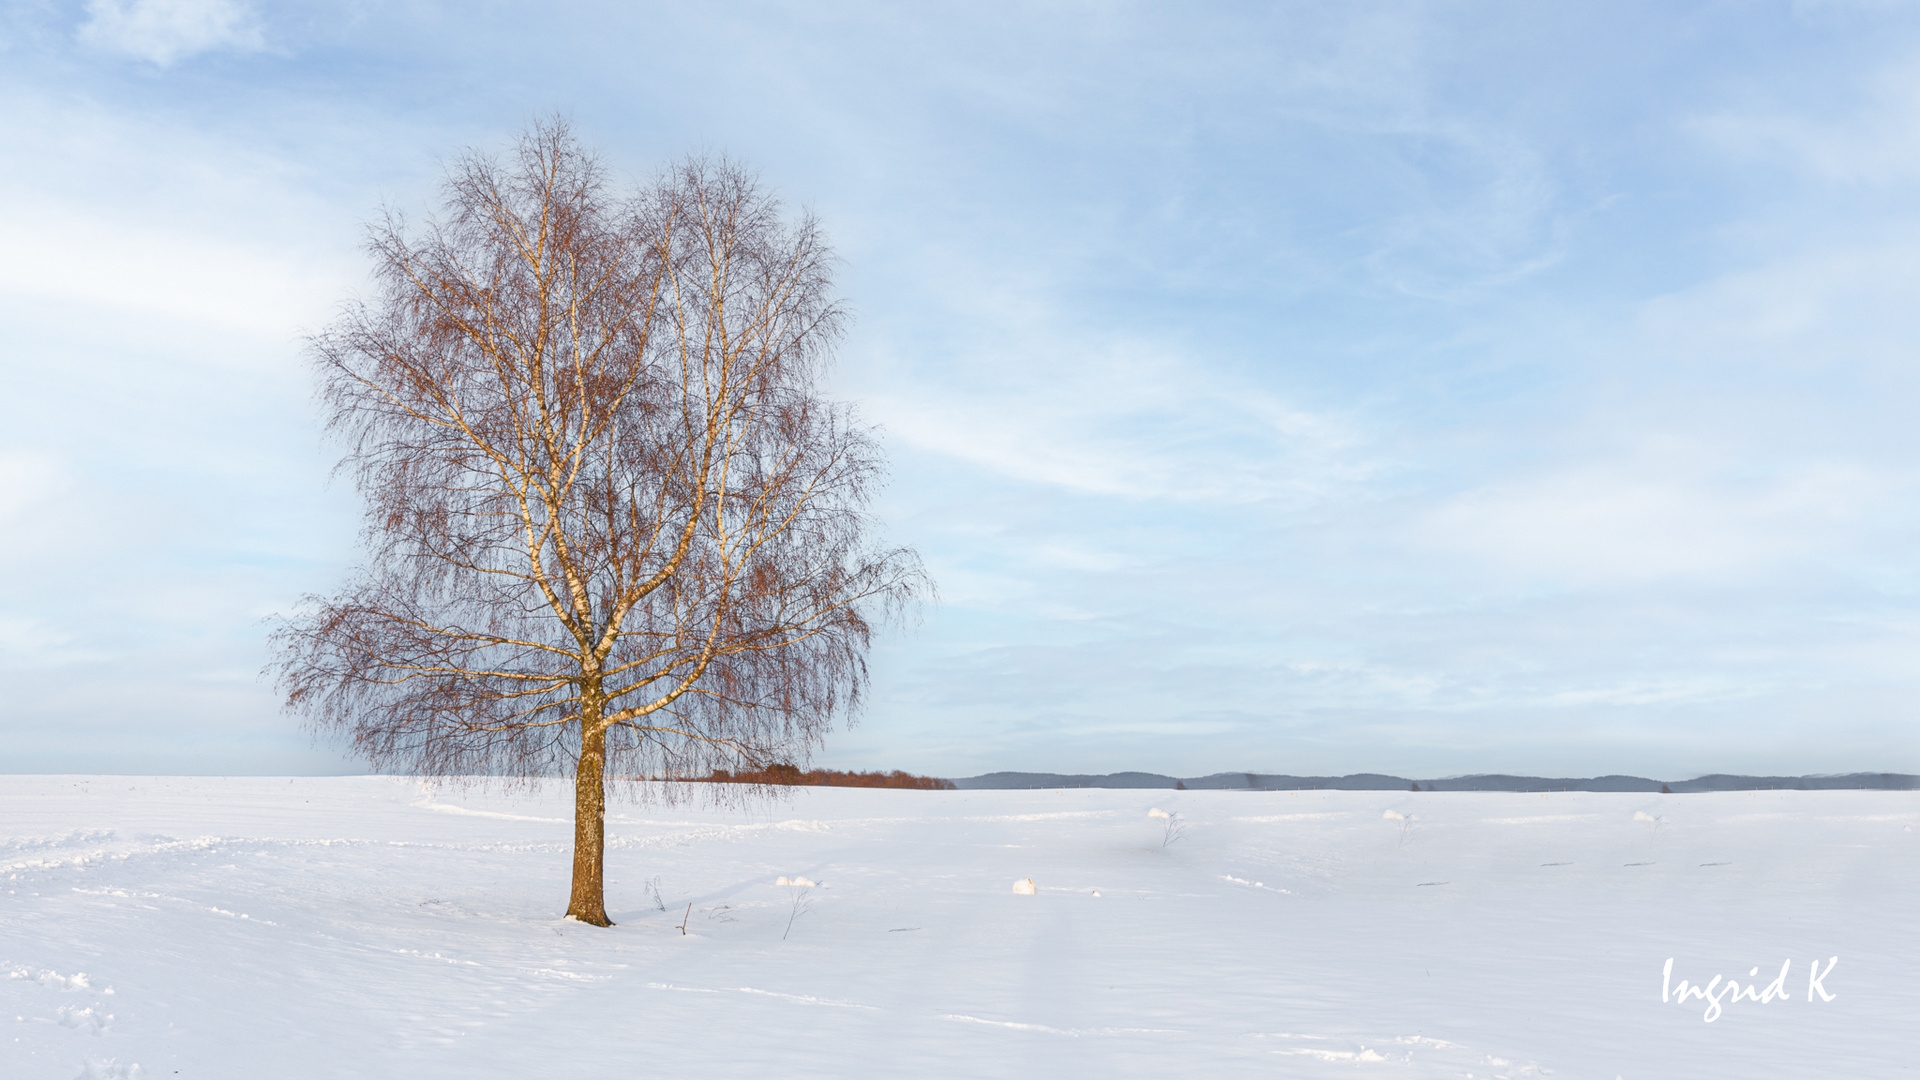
(1426, 388)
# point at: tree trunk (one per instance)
(589, 903)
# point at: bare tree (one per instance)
(612, 528)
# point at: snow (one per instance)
(352, 927)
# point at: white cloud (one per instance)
(1082, 557)
(64, 253)
(162, 31)
(53, 519)
(1877, 141)
(1810, 310)
(26, 479)
(27, 642)
(1125, 421)
(149, 217)
(1649, 520)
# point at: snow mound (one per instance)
(1157, 812)
(1026, 887)
(1361, 1055)
(804, 883)
(76, 981)
(1392, 815)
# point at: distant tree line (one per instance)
(783, 775)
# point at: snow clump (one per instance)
(76, 981)
(1025, 887)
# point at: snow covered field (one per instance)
(371, 927)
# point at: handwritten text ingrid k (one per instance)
(1715, 993)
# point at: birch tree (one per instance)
(612, 527)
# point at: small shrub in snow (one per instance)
(802, 891)
(1406, 822)
(1174, 830)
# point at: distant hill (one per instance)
(1489, 782)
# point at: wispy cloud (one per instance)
(27, 478)
(165, 31)
(1186, 447)
(1870, 137)
(217, 232)
(30, 643)
(1660, 517)
(61, 252)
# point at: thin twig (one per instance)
(799, 905)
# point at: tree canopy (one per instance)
(612, 526)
